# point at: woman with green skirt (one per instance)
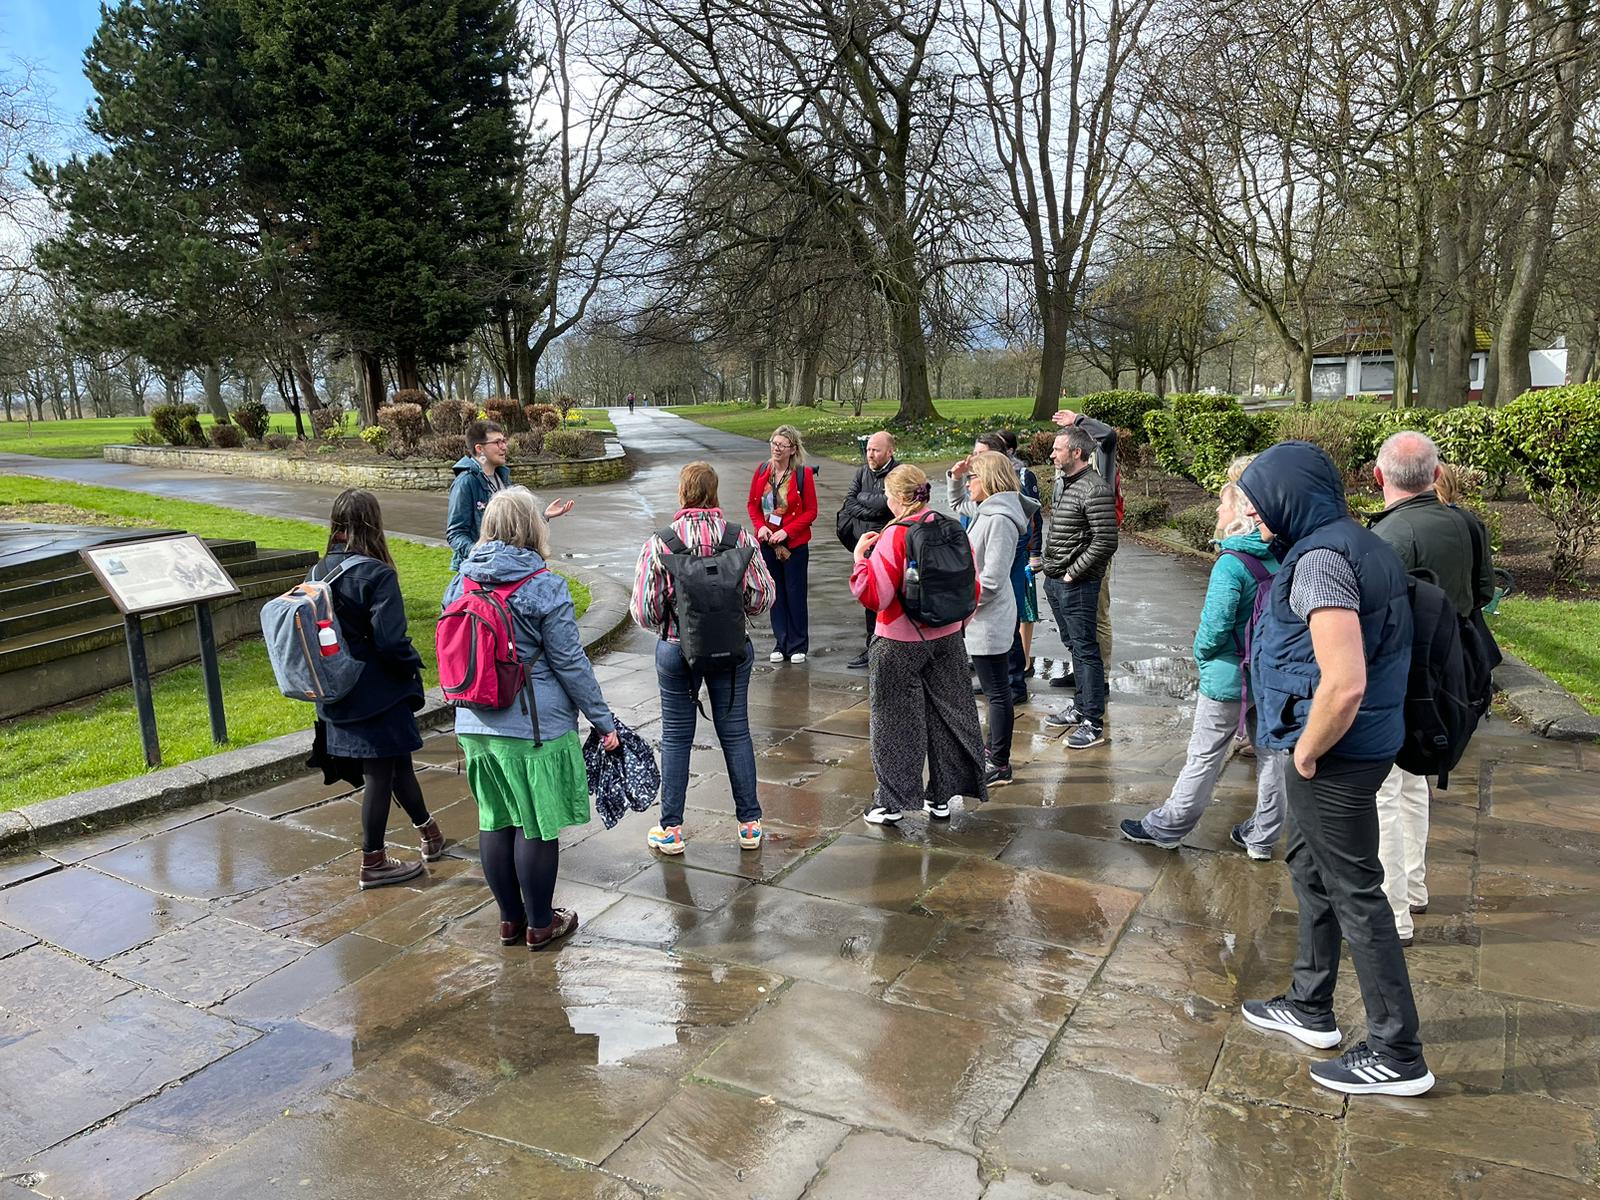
(525, 762)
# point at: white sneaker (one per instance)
(775, 656)
(879, 815)
(799, 656)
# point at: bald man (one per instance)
(866, 508)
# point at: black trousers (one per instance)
(1333, 860)
(994, 675)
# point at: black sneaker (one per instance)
(1236, 836)
(939, 810)
(996, 775)
(1135, 831)
(1086, 735)
(879, 815)
(858, 663)
(1064, 718)
(1021, 697)
(1282, 1015)
(1362, 1071)
(1067, 680)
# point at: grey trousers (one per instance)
(1215, 723)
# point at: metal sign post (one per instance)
(208, 667)
(139, 672)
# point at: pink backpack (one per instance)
(477, 647)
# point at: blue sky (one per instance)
(53, 34)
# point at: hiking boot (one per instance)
(432, 840)
(379, 870)
(858, 663)
(750, 834)
(1256, 853)
(1064, 718)
(1086, 735)
(996, 775)
(1363, 1071)
(1064, 681)
(512, 932)
(879, 815)
(565, 922)
(1135, 831)
(668, 840)
(1283, 1015)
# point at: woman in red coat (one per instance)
(783, 504)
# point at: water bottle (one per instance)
(327, 639)
(911, 585)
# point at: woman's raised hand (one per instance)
(864, 543)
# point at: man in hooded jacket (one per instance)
(1328, 669)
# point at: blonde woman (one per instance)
(922, 709)
(529, 780)
(782, 507)
(1220, 647)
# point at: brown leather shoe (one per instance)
(566, 921)
(379, 870)
(512, 932)
(432, 840)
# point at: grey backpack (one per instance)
(708, 599)
(304, 643)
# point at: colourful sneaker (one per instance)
(668, 840)
(750, 835)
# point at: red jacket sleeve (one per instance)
(753, 504)
(797, 521)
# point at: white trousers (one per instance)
(1403, 844)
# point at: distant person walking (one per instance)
(630, 403)
(524, 763)
(1243, 568)
(782, 507)
(699, 531)
(480, 473)
(922, 709)
(1079, 543)
(866, 510)
(375, 724)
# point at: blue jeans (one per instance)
(727, 697)
(791, 622)
(1074, 605)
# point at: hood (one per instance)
(467, 463)
(496, 562)
(1295, 489)
(1250, 543)
(1007, 505)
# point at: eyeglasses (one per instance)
(778, 444)
(500, 441)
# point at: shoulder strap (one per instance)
(730, 536)
(670, 539)
(350, 560)
(1254, 565)
(505, 590)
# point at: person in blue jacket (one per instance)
(524, 763)
(1219, 646)
(480, 473)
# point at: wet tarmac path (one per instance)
(1013, 1005)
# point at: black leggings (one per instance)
(388, 777)
(521, 874)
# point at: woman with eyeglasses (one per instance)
(782, 507)
(480, 473)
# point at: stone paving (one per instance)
(1015, 1005)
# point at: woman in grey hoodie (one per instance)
(996, 514)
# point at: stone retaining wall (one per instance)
(428, 477)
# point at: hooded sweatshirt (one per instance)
(469, 496)
(997, 524)
(1225, 616)
(546, 631)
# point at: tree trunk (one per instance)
(305, 383)
(1052, 364)
(806, 392)
(527, 373)
(72, 386)
(1405, 358)
(370, 375)
(211, 382)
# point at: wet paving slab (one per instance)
(1013, 1005)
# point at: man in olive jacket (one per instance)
(1079, 543)
(1453, 544)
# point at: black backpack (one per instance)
(1440, 710)
(708, 599)
(940, 583)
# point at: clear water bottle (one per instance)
(911, 584)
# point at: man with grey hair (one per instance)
(1453, 545)
(866, 508)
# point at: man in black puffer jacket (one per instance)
(1079, 543)
(865, 509)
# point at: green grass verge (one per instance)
(1559, 637)
(832, 431)
(596, 419)
(96, 741)
(84, 439)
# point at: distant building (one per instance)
(1360, 362)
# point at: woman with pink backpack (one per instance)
(524, 762)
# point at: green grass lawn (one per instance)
(832, 431)
(83, 439)
(96, 741)
(596, 419)
(1559, 637)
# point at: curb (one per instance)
(231, 773)
(1548, 708)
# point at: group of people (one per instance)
(1304, 642)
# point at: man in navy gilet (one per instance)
(1328, 671)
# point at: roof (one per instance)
(1359, 341)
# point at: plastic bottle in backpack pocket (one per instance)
(327, 639)
(911, 584)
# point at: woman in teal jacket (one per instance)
(1218, 649)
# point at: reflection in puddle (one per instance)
(1172, 677)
